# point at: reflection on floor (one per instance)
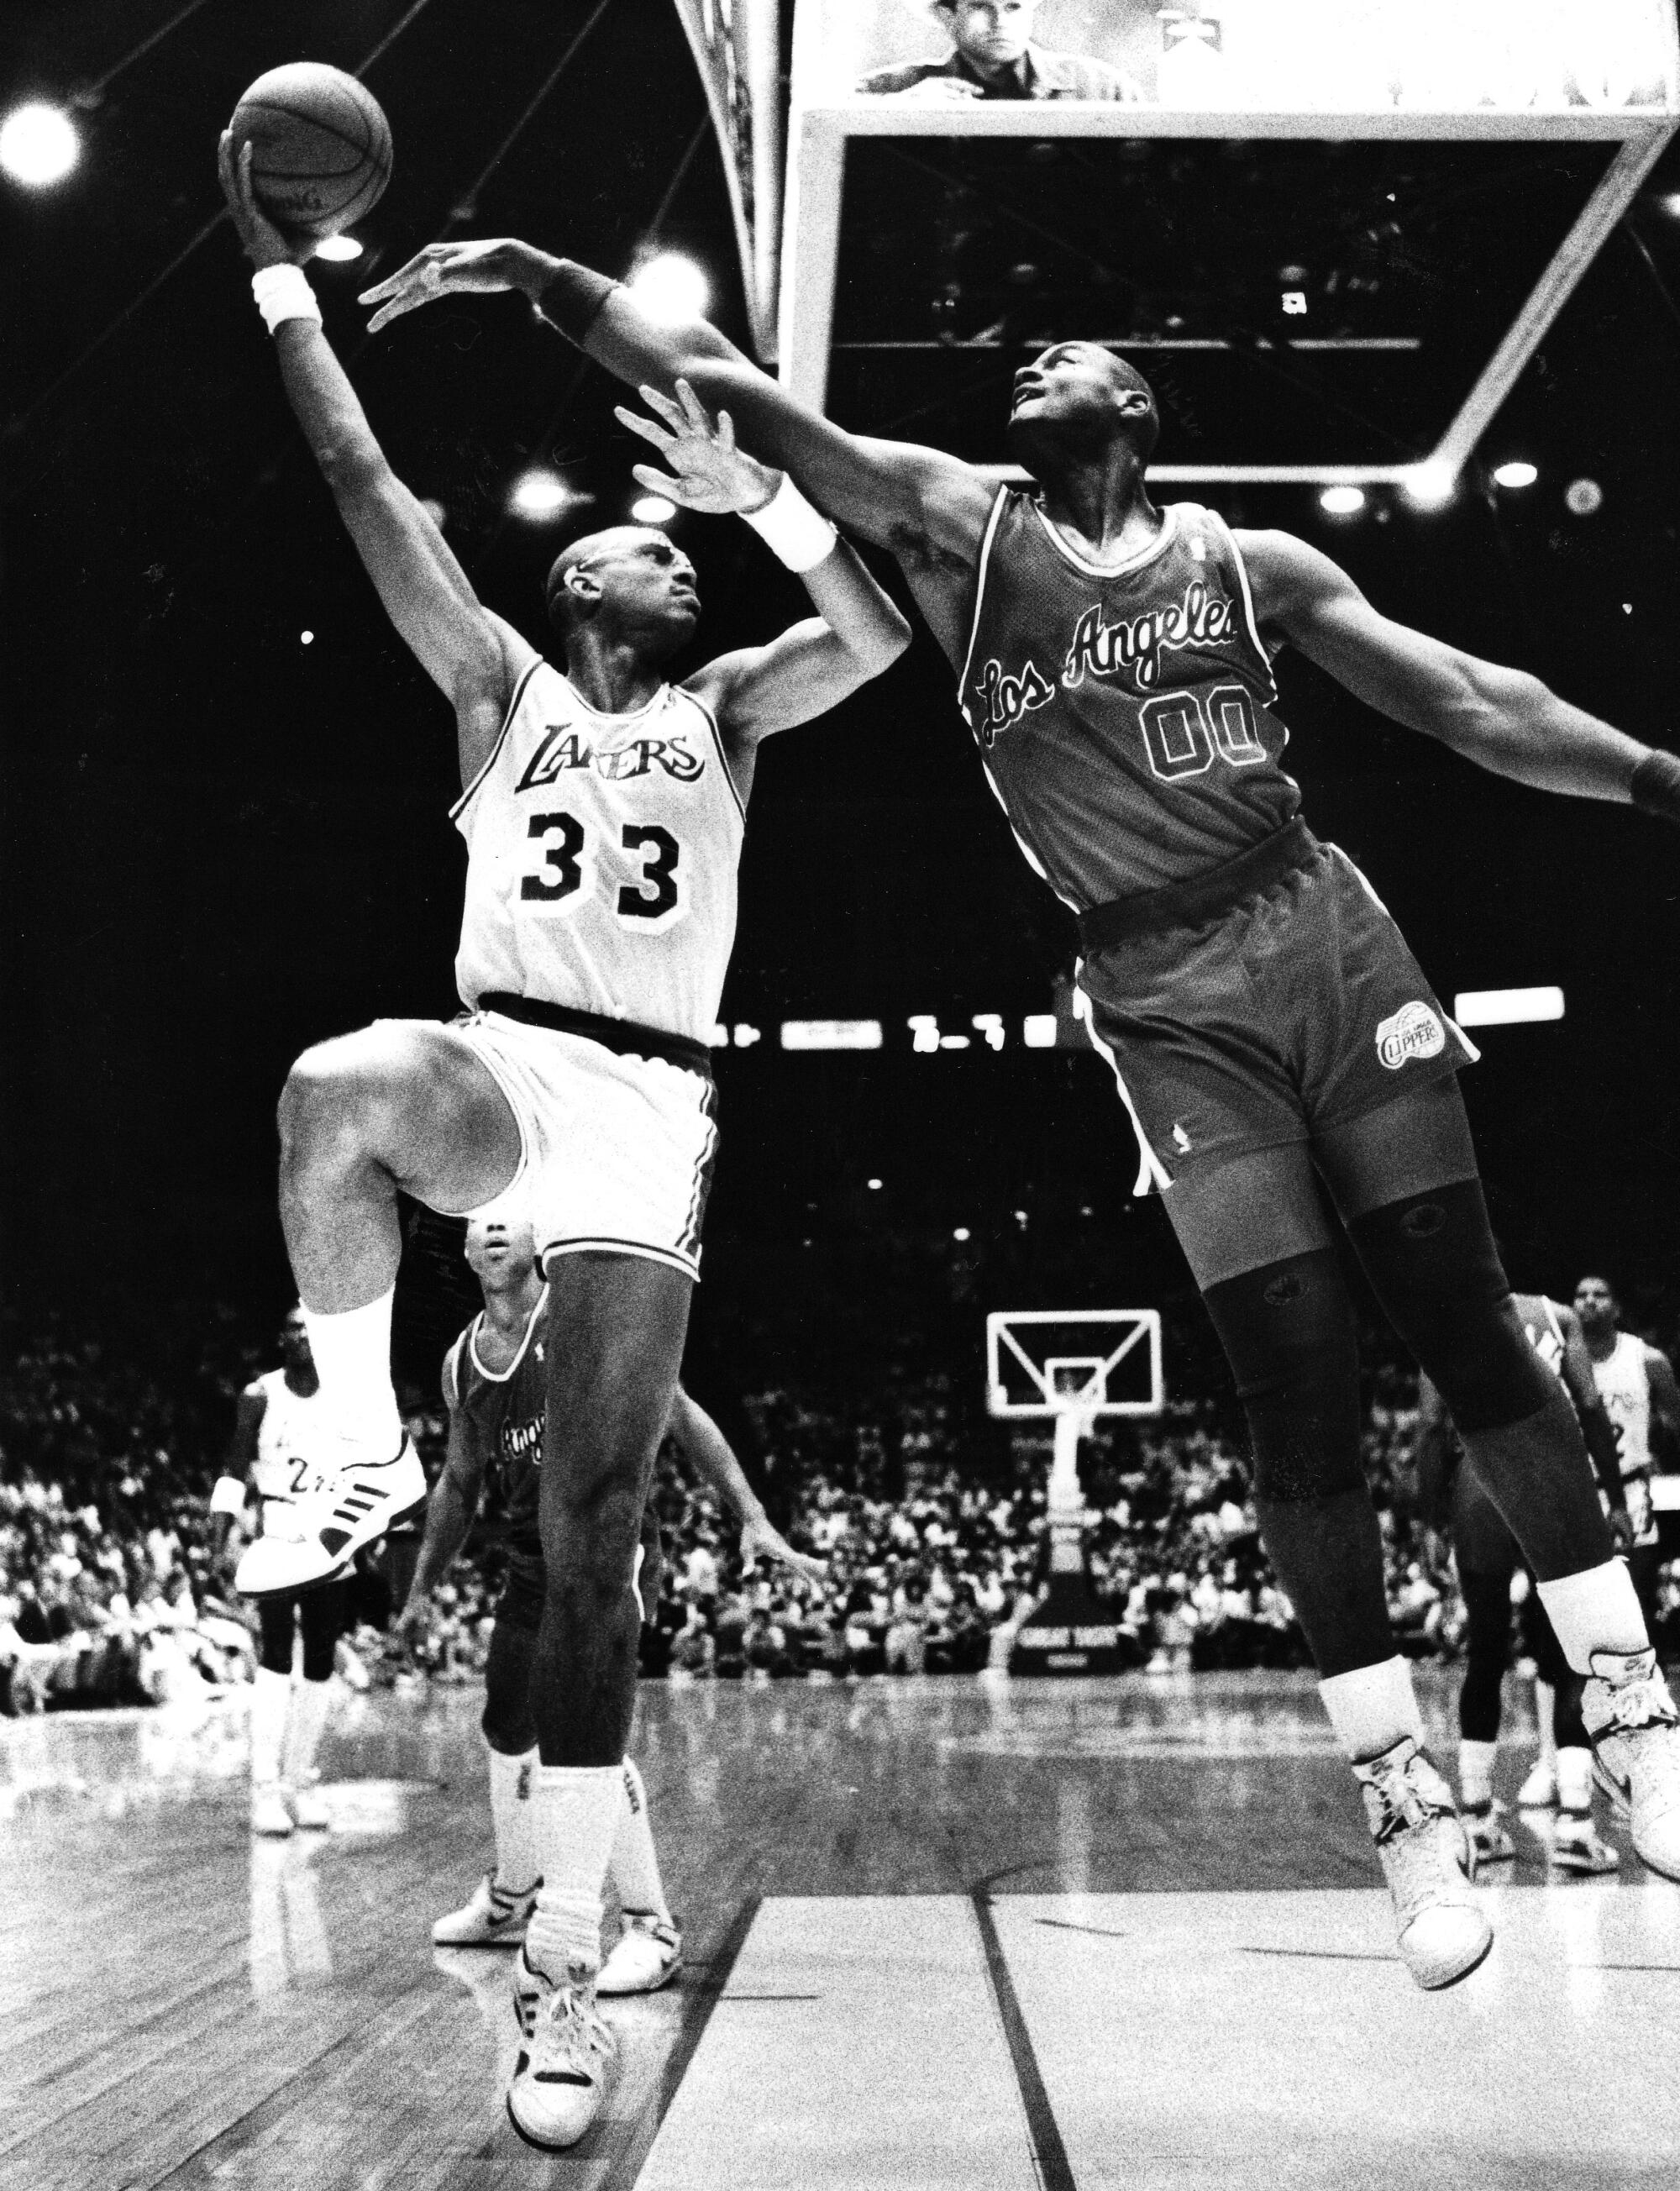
(940, 1933)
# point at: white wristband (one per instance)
(228, 1497)
(791, 529)
(283, 293)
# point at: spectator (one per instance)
(991, 56)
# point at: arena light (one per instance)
(831, 1035)
(1342, 501)
(1670, 203)
(541, 494)
(652, 509)
(1516, 474)
(990, 1026)
(671, 288)
(873, 1186)
(38, 145)
(337, 247)
(1038, 1030)
(1506, 1007)
(1583, 497)
(1430, 486)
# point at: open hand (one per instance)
(454, 270)
(761, 1540)
(707, 472)
(265, 245)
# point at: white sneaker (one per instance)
(1488, 1837)
(559, 2081)
(315, 1538)
(1428, 1861)
(1576, 1847)
(269, 1814)
(307, 1808)
(1539, 1792)
(1635, 1733)
(649, 1955)
(492, 1918)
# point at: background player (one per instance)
(1278, 1046)
(1637, 1381)
(1488, 1557)
(281, 1435)
(494, 1385)
(603, 812)
(992, 56)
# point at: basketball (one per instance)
(321, 151)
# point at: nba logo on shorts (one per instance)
(1412, 1032)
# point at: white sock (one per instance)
(1574, 1779)
(1476, 1773)
(1545, 1718)
(510, 1780)
(304, 1719)
(574, 1817)
(271, 1694)
(352, 1358)
(1372, 1707)
(635, 1863)
(1596, 1610)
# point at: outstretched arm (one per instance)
(1503, 719)
(426, 593)
(928, 508)
(704, 1445)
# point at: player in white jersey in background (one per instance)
(282, 1435)
(603, 813)
(1636, 1382)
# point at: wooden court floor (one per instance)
(941, 1933)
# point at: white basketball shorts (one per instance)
(616, 1153)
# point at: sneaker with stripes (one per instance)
(314, 1539)
(492, 1918)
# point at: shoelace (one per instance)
(1404, 1803)
(1644, 1703)
(576, 2027)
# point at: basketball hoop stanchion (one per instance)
(1071, 1367)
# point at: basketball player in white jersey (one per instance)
(1636, 1382)
(495, 1386)
(603, 812)
(282, 1436)
(1291, 1074)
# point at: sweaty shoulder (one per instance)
(1286, 575)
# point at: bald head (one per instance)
(628, 575)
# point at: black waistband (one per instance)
(1203, 898)
(625, 1037)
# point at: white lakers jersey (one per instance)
(1625, 1386)
(288, 1438)
(601, 857)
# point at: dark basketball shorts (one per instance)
(1267, 1020)
(525, 1585)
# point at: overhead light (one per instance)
(961, 1232)
(1342, 501)
(831, 1035)
(1506, 1007)
(671, 288)
(306, 639)
(541, 494)
(1038, 1030)
(1584, 498)
(1516, 474)
(1670, 203)
(1430, 486)
(338, 247)
(38, 144)
(873, 1186)
(652, 509)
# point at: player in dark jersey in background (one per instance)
(495, 1382)
(1288, 1066)
(1488, 1557)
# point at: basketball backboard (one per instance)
(1045, 1362)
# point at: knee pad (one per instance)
(1287, 1328)
(1431, 1259)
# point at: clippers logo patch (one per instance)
(1414, 1031)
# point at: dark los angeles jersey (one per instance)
(1125, 717)
(504, 1413)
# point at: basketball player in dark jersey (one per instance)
(1287, 1067)
(495, 1385)
(1487, 1558)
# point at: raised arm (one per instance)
(704, 1446)
(928, 508)
(473, 661)
(1504, 719)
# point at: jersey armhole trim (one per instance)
(465, 799)
(722, 755)
(981, 570)
(504, 1376)
(1260, 648)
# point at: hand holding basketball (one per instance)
(446, 270)
(707, 472)
(265, 244)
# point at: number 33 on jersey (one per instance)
(602, 858)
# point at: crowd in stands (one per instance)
(115, 1584)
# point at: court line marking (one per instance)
(1065, 1924)
(725, 1999)
(1322, 1954)
(697, 2004)
(1055, 2171)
